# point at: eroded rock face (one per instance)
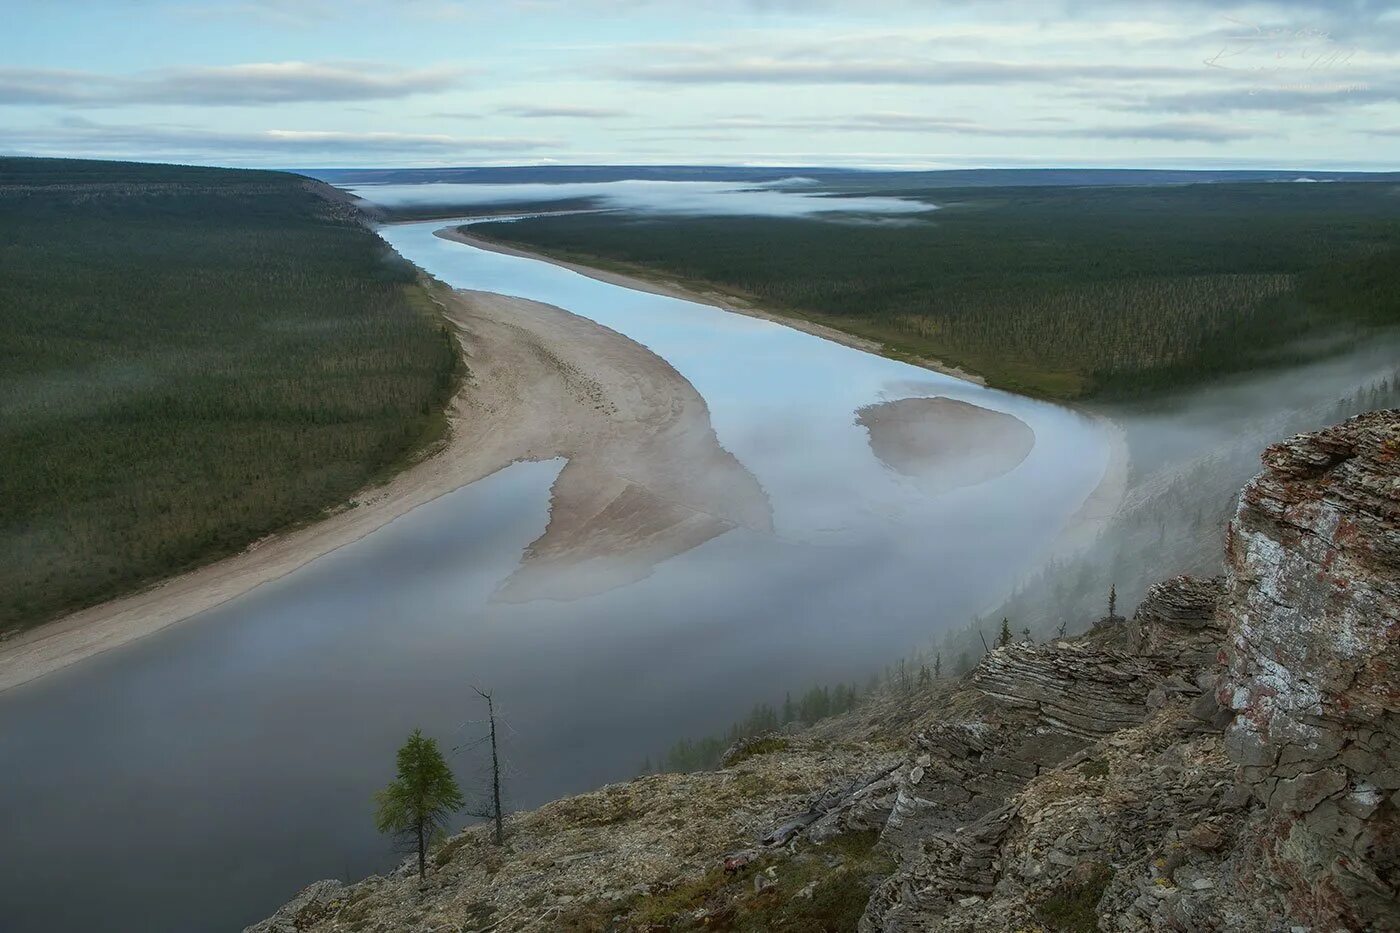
(1313, 607)
(1227, 760)
(1009, 797)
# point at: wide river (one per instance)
(196, 779)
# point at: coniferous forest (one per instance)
(1111, 293)
(191, 359)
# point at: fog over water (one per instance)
(784, 198)
(196, 779)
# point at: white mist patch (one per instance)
(697, 198)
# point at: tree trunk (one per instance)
(422, 869)
(495, 774)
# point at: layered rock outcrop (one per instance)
(1051, 781)
(1313, 677)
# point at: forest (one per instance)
(1108, 293)
(191, 359)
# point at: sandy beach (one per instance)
(646, 478)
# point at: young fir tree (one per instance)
(1004, 637)
(416, 804)
(1112, 602)
(938, 665)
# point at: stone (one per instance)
(1313, 606)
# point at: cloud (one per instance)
(1318, 96)
(1166, 131)
(761, 70)
(561, 110)
(227, 85)
(895, 122)
(81, 137)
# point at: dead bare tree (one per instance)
(494, 811)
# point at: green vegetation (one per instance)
(822, 889)
(1113, 293)
(705, 753)
(191, 359)
(417, 803)
(1073, 907)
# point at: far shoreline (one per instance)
(713, 298)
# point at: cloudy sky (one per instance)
(898, 83)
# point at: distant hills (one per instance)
(830, 177)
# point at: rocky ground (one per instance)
(1227, 759)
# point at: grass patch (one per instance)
(764, 746)
(820, 889)
(1094, 768)
(191, 359)
(1073, 907)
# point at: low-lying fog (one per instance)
(784, 198)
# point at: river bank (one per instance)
(1083, 526)
(714, 298)
(647, 478)
(544, 383)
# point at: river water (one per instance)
(196, 779)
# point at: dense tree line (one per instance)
(1066, 292)
(191, 359)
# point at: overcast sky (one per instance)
(896, 83)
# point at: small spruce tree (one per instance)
(1004, 637)
(416, 804)
(938, 665)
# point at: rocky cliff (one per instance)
(1228, 759)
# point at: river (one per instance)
(196, 779)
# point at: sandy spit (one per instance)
(646, 478)
(944, 443)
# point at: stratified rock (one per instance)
(1177, 618)
(1026, 710)
(1313, 606)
